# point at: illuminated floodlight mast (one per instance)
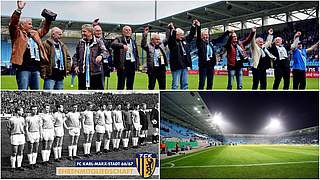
(217, 119)
(274, 126)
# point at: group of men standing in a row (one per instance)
(110, 125)
(51, 60)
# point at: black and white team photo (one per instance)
(44, 130)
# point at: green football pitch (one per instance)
(245, 161)
(141, 82)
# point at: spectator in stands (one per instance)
(206, 53)
(299, 58)
(236, 55)
(126, 58)
(261, 59)
(156, 60)
(28, 51)
(87, 61)
(281, 64)
(180, 58)
(59, 65)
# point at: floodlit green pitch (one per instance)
(141, 82)
(245, 161)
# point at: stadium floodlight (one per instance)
(217, 119)
(198, 99)
(274, 126)
(199, 112)
(195, 108)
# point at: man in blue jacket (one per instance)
(299, 57)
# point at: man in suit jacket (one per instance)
(206, 53)
(261, 60)
(281, 64)
(126, 58)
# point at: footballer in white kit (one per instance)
(33, 128)
(59, 117)
(16, 130)
(107, 110)
(73, 125)
(47, 134)
(88, 128)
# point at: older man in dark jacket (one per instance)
(156, 60)
(27, 49)
(126, 58)
(180, 58)
(87, 61)
(206, 54)
(59, 64)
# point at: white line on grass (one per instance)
(240, 165)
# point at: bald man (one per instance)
(59, 65)
(107, 62)
(156, 60)
(27, 49)
(126, 58)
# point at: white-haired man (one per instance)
(59, 65)
(206, 53)
(281, 64)
(180, 58)
(261, 59)
(126, 58)
(27, 49)
(87, 61)
(156, 60)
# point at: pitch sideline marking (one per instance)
(241, 165)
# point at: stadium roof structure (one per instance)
(218, 13)
(189, 110)
(224, 12)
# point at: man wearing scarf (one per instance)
(126, 58)
(87, 61)
(28, 51)
(281, 64)
(261, 59)
(59, 63)
(236, 55)
(180, 58)
(299, 57)
(156, 60)
(206, 54)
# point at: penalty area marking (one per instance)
(238, 165)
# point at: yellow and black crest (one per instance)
(146, 164)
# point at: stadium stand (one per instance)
(10, 99)
(302, 136)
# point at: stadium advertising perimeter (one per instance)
(269, 136)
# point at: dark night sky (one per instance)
(249, 112)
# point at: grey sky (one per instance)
(123, 12)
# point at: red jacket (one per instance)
(232, 49)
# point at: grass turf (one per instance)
(141, 82)
(245, 161)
